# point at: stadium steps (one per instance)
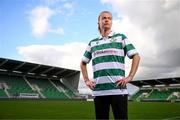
(38, 90)
(137, 96)
(28, 83)
(47, 89)
(3, 94)
(73, 92)
(7, 93)
(157, 93)
(133, 96)
(3, 90)
(59, 88)
(174, 97)
(16, 85)
(175, 94)
(160, 94)
(63, 87)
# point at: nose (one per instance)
(106, 20)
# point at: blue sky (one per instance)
(77, 18)
(56, 32)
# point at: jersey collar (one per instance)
(109, 36)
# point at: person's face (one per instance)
(105, 21)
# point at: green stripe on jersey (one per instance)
(88, 55)
(129, 47)
(108, 58)
(123, 36)
(116, 35)
(109, 72)
(116, 45)
(94, 40)
(107, 86)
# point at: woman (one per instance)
(107, 53)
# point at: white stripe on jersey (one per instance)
(107, 41)
(85, 59)
(108, 65)
(107, 79)
(88, 48)
(126, 42)
(131, 53)
(112, 51)
(110, 92)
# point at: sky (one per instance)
(56, 32)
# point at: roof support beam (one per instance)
(49, 69)
(36, 67)
(18, 66)
(3, 62)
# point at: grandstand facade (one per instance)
(20, 79)
(164, 89)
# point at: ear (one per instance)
(98, 24)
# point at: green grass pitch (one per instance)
(58, 109)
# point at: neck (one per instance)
(105, 33)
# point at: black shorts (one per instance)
(119, 104)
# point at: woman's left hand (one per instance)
(124, 81)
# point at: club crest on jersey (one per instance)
(113, 38)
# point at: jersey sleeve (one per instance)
(87, 55)
(129, 48)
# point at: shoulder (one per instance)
(123, 36)
(94, 40)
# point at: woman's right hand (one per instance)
(91, 84)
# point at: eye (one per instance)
(104, 18)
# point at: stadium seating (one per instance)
(138, 95)
(2, 94)
(62, 87)
(46, 88)
(22, 79)
(162, 94)
(15, 85)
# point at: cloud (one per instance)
(67, 8)
(153, 26)
(39, 19)
(66, 56)
(53, 2)
(59, 31)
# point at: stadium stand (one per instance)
(164, 89)
(20, 79)
(15, 85)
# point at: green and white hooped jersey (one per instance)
(108, 57)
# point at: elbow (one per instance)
(137, 57)
(82, 64)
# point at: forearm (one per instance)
(84, 71)
(134, 66)
(89, 83)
